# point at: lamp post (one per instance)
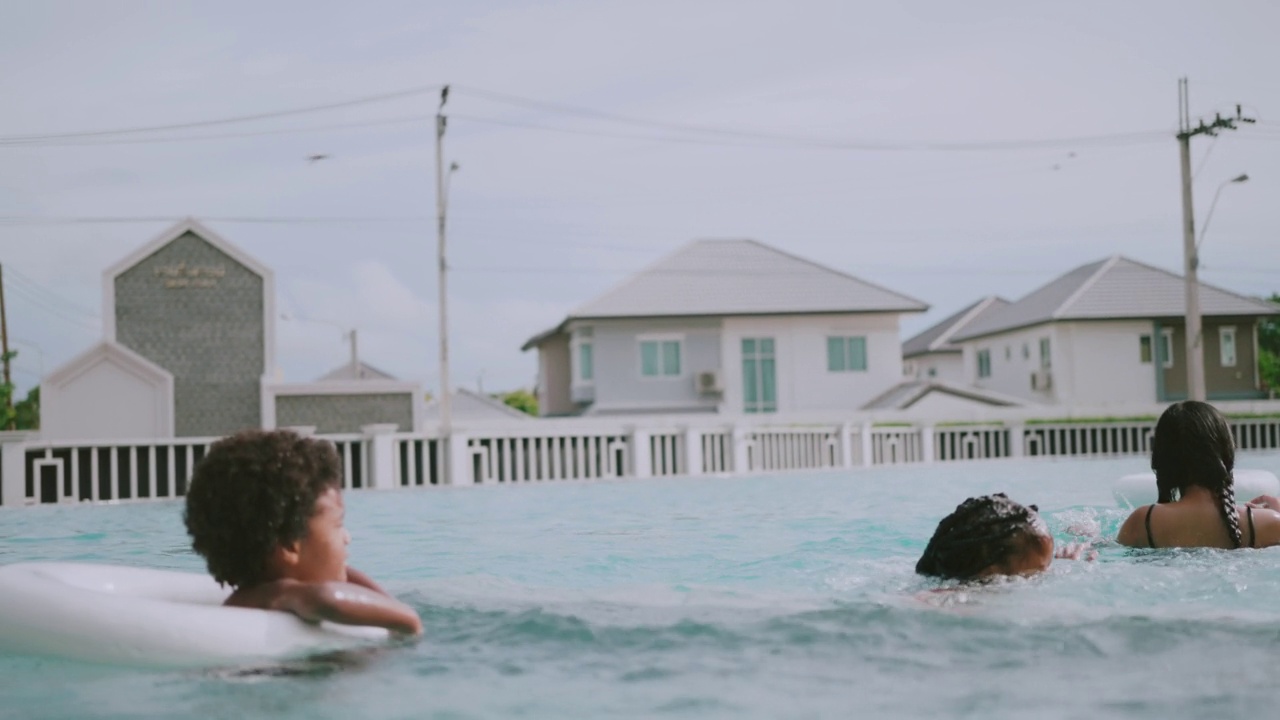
(1195, 334)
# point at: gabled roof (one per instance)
(719, 278)
(195, 227)
(1113, 289)
(937, 339)
(116, 354)
(740, 277)
(905, 394)
(362, 371)
(468, 405)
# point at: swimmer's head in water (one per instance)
(255, 492)
(985, 536)
(1193, 446)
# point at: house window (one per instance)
(1026, 351)
(584, 356)
(1046, 359)
(846, 354)
(660, 358)
(586, 364)
(759, 385)
(1008, 352)
(1227, 346)
(1166, 347)
(984, 363)
(1144, 349)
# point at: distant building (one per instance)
(1113, 332)
(468, 406)
(188, 349)
(931, 355)
(724, 326)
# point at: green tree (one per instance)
(27, 412)
(1269, 350)
(7, 412)
(521, 400)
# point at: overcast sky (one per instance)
(825, 121)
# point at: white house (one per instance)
(728, 326)
(1112, 333)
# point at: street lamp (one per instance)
(1195, 335)
(1242, 177)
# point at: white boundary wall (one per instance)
(56, 471)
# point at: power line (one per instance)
(409, 92)
(38, 289)
(113, 136)
(18, 220)
(1110, 138)
(87, 142)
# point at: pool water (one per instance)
(772, 596)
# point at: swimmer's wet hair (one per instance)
(1193, 445)
(982, 532)
(252, 492)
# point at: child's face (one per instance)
(322, 552)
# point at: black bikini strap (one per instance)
(1253, 535)
(1150, 540)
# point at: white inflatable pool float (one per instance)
(140, 616)
(1140, 488)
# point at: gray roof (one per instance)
(740, 277)
(908, 393)
(1113, 289)
(347, 371)
(468, 405)
(937, 339)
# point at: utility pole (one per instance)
(446, 400)
(4, 347)
(1191, 261)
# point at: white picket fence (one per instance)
(34, 472)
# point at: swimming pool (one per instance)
(770, 596)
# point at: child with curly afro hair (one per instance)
(991, 536)
(265, 510)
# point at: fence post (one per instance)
(13, 469)
(641, 452)
(864, 437)
(1017, 433)
(926, 443)
(460, 463)
(382, 455)
(741, 449)
(846, 445)
(692, 451)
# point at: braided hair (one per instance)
(983, 532)
(1193, 446)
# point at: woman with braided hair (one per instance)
(1193, 454)
(990, 536)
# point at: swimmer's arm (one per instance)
(1266, 526)
(339, 602)
(1133, 532)
(356, 577)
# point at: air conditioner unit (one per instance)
(1042, 380)
(708, 382)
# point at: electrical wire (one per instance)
(384, 97)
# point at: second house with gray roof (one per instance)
(725, 326)
(1111, 333)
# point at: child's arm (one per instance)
(358, 578)
(339, 602)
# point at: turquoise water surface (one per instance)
(773, 596)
